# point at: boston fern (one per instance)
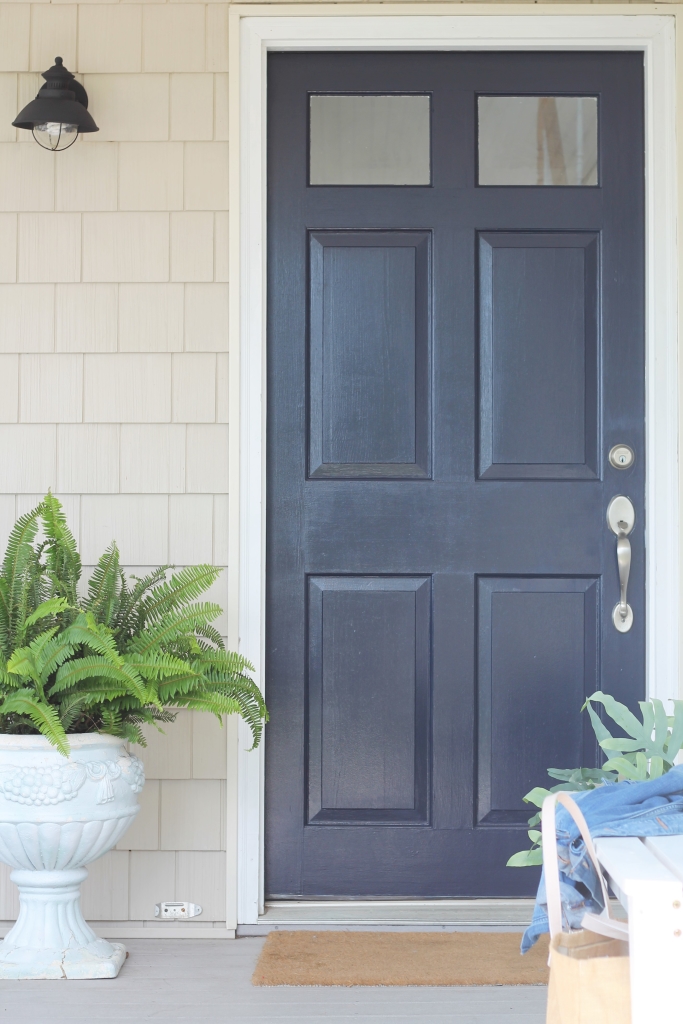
(114, 656)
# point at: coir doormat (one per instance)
(399, 958)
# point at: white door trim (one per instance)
(254, 31)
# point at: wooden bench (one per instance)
(646, 875)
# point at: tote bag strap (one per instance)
(604, 924)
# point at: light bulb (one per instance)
(55, 135)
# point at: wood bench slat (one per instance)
(669, 851)
(626, 859)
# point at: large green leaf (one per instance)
(661, 730)
(647, 728)
(621, 744)
(526, 858)
(601, 731)
(676, 736)
(636, 772)
(620, 714)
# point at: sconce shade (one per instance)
(61, 101)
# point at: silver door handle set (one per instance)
(621, 518)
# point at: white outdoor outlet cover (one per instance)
(177, 911)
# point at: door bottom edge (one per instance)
(503, 914)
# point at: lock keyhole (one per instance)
(621, 456)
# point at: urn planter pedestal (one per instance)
(58, 814)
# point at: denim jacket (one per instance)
(653, 808)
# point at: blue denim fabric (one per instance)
(652, 808)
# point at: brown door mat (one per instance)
(399, 958)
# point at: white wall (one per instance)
(114, 362)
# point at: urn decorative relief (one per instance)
(58, 814)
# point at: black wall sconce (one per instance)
(59, 113)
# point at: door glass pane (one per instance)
(538, 140)
(369, 140)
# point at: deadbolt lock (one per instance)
(621, 456)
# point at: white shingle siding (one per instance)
(114, 366)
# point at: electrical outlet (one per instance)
(177, 911)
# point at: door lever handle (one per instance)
(621, 517)
(624, 563)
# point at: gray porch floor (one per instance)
(205, 981)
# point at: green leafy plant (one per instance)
(115, 656)
(647, 751)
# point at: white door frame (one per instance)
(254, 31)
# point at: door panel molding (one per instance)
(530, 272)
(253, 31)
(375, 417)
(519, 619)
(349, 725)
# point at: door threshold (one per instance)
(498, 915)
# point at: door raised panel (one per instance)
(369, 354)
(537, 663)
(369, 694)
(538, 355)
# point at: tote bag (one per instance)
(589, 968)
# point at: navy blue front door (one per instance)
(455, 343)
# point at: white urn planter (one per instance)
(58, 814)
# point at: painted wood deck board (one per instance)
(208, 981)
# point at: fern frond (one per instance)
(63, 563)
(69, 710)
(94, 690)
(243, 693)
(227, 661)
(53, 606)
(51, 654)
(132, 732)
(181, 589)
(180, 685)
(19, 555)
(130, 617)
(216, 704)
(111, 721)
(95, 636)
(104, 586)
(210, 633)
(162, 714)
(5, 620)
(44, 717)
(10, 681)
(23, 663)
(95, 667)
(174, 624)
(156, 666)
